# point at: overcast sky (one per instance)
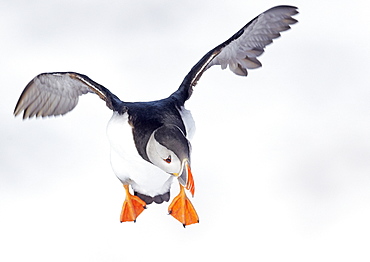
(281, 159)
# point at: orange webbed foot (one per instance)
(132, 207)
(182, 209)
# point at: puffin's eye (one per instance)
(168, 159)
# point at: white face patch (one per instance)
(162, 157)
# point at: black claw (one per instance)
(184, 225)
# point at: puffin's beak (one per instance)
(186, 177)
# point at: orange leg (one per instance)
(132, 207)
(182, 209)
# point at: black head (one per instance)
(169, 149)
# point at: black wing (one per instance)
(240, 51)
(52, 94)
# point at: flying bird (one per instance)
(150, 140)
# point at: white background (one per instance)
(281, 158)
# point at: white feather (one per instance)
(188, 122)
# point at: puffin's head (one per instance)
(169, 149)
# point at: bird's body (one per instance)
(127, 164)
(150, 140)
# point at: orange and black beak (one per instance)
(186, 177)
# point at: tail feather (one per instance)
(158, 199)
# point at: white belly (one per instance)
(128, 165)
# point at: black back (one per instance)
(145, 117)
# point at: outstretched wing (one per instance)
(52, 94)
(240, 52)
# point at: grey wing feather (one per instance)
(240, 54)
(52, 94)
(240, 51)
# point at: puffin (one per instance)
(150, 141)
